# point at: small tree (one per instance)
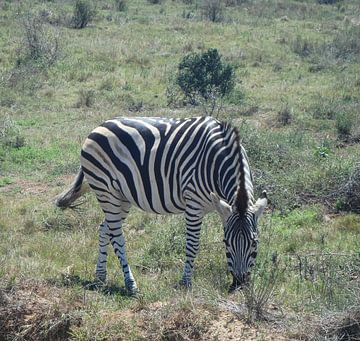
(84, 12)
(205, 79)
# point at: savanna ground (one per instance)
(296, 104)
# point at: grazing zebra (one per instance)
(170, 166)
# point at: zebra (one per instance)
(170, 166)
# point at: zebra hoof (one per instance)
(132, 288)
(236, 285)
(184, 284)
(234, 288)
(100, 279)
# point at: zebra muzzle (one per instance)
(239, 282)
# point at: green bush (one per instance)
(203, 78)
(84, 13)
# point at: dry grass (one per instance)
(35, 311)
(40, 311)
(332, 326)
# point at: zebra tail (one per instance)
(77, 189)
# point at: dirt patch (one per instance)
(34, 311)
(25, 187)
(229, 327)
(29, 187)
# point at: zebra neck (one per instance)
(230, 178)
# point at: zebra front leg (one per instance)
(118, 242)
(193, 227)
(104, 239)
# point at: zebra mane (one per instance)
(241, 202)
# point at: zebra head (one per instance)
(240, 236)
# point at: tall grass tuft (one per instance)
(285, 116)
(86, 98)
(213, 10)
(344, 124)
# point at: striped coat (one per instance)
(170, 166)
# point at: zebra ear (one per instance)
(260, 205)
(221, 206)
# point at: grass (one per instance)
(297, 93)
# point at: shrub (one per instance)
(213, 10)
(346, 43)
(204, 78)
(84, 13)
(40, 45)
(155, 2)
(351, 189)
(344, 125)
(264, 280)
(121, 5)
(10, 134)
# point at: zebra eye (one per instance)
(254, 244)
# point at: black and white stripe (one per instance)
(170, 166)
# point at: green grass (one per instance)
(298, 56)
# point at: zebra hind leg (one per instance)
(104, 239)
(116, 211)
